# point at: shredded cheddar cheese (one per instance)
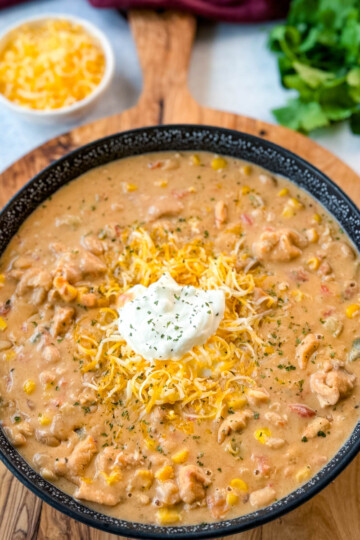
(50, 64)
(205, 380)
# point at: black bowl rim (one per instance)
(187, 532)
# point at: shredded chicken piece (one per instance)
(192, 483)
(217, 503)
(275, 418)
(262, 497)
(44, 437)
(306, 349)
(62, 320)
(50, 354)
(168, 492)
(282, 245)
(317, 424)
(81, 456)
(37, 281)
(234, 422)
(274, 442)
(164, 206)
(220, 213)
(77, 265)
(93, 244)
(88, 492)
(256, 396)
(330, 386)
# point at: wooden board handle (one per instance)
(164, 42)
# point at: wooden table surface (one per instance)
(164, 45)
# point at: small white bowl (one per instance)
(78, 109)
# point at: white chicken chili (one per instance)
(179, 338)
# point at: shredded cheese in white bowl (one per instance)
(54, 67)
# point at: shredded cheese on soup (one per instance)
(208, 377)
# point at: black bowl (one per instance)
(182, 137)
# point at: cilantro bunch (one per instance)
(319, 56)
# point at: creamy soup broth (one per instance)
(234, 423)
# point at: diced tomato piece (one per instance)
(262, 464)
(180, 194)
(302, 410)
(245, 218)
(5, 308)
(328, 312)
(299, 274)
(155, 164)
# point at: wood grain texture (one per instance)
(20, 509)
(164, 44)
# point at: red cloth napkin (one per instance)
(224, 10)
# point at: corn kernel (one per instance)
(102, 301)
(165, 473)
(165, 516)
(236, 402)
(317, 218)
(59, 282)
(312, 235)
(313, 263)
(245, 190)
(67, 292)
(161, 183)
(232, 498)
(294, 203)
(146, 477)
(237, 229)
(112, 478)
(29, 386)
(246, 170)
(303, 474)
(3, 324)
(298, 295)
(180, 457)
(262, 435)
(171, 415)
(150, 443)
(352, 311)
(195, 160)
(192, 189)
(86, 480)
(130, 187)
(238, 483)
(44, 420)
(9, 355)
(268, 349)
(185, 426)
(218, 163)
(288, 212)
(2, 280)
(283, 192)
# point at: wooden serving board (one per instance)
(164, 44)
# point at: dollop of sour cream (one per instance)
(166, 320)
